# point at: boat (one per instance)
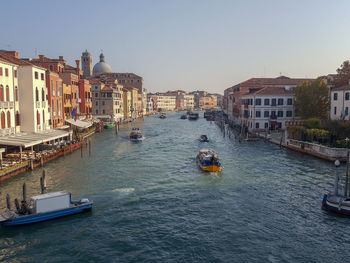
(208, 114)
(136, 135)
(43, 207)
(193, 116)
(204, 138)
(208, 161)
(336, 202)
(251, 138)
(110, 125)
(183, 117)
(162, 116)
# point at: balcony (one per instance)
(79, 100)
(7, 131)
(44, 104)
(38, 104)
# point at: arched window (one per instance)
(36, 94)
(8, 119)
(3, 120)
(17, 119)
(42, 94)
(37, 117)
(16, 93)
(1, 93)
(44, 117)
(7, 93)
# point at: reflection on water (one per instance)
(152, 203)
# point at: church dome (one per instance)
(102, 66)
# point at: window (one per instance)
(36, 74)
(257, 101)
(17, 119)
(43, 117)
(266, 125)
(103, 112)
(289, 101)
(335, 110)
(1, 93)
(16, 93)
(96, 103)
(266, 114)
(42, 94)
(6, 72)
(96, 95)
(346, 111)
(37, 117)
(96, 111)
(42, 76)
(273, 102)
(8, 119)
(103, 102)
(7, 93)
(109, 95)
(51, 67)
(53, 106)
(3, 120)
(15, 73)
(280, 101)
(289, 113)
(273, 114)
(36, 94)
(335, 96)
(347, 96)
(267, 102)
(0, 71)
(257, 125)
(257, 114)
(280, 113)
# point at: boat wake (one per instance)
(124, 190)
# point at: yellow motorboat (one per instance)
(208, 161)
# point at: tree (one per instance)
(343, 74)
(311, 100)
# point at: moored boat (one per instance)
(335, 202)
(208, 161)
(110, 125)
(162, 116)
(42, 208)
(136, 135)
(183, 117)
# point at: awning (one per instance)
(79, 123)
(29, 139)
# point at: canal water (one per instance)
(153, 204)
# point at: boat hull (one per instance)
(335, 205)
(210, 168)
(109, 126)
(36, 218)
(138, 139)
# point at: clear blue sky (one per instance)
(191, 44)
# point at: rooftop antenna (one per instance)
(36, 52)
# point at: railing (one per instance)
(38, 127)
(38, 105)
(44, 104)
(12, 104)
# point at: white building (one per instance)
(164, 102)
(340, 103)
(32, 90)
(267, 108)
(9, 96)
(188, 101)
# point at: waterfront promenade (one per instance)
(152, 203)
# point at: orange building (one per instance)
(55, 98)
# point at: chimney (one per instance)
(12, 53)
(60, 57)
(41, 57)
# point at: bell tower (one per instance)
(86, 64)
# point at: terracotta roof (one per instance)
(6, 61)
(347, 87)
(280, 81)
(271, 91)
(14, 60)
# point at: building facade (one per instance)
(340, 103)
(55, 99)
(268, 108)
(86, 64)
